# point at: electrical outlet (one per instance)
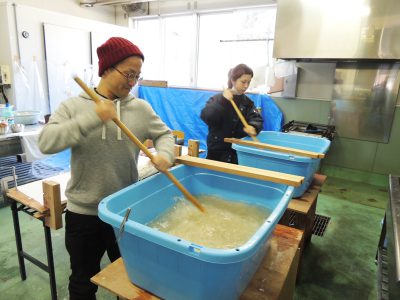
(5, 76)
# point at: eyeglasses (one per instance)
(129, 76)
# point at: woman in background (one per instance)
(221, 117)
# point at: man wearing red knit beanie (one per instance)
(103, 161)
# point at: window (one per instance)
(197, 50)
(179, 51)
(149, 40)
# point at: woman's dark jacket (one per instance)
(222, 121)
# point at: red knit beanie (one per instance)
(114, 50)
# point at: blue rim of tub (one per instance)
(322, 142)
(212, 255)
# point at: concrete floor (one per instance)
(339, 265)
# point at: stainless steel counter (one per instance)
(393, 237)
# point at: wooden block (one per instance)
(319, 180)
(178, 133)
(193, 148)
(52, 200)
(177, 150)
(156, 83)
(305, 202)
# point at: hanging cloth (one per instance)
(23, 92)
(39, 101)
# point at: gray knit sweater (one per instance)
(103, 160)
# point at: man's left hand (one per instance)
(161, 163)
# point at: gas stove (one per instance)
(311, 129)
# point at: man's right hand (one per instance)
(105, 109)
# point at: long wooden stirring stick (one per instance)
(240, 115)
(142, 147)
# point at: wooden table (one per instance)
(52, 190)
(304, 208)
(275, 278)
(45, 200)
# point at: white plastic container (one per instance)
(27, 117)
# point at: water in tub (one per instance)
(225, 225)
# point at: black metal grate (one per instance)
(383, 281)
(320, 225)
(292, 219)
(22, 170)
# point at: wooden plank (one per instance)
(52, 200)
(26, 200)
(276, 276)
(245, 171)
(303, 204)
(275, 148)
(156, 83)
(274, 279)
(115, 279)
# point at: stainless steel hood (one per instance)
(337, 29)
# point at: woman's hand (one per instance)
(250, 130)
(161, 163)
(105, 109)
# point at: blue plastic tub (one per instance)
(284, 162)
(173, 268)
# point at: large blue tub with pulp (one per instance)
(284, 162)
(173, 268)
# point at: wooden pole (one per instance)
(142, 147)
(240, 115)
(275, 148)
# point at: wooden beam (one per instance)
(245, 171)
(18, 196)
(193, 148)
(52, 200)
(275, 148)
(177, 150)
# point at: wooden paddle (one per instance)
(275, 148)
(277, 177)
(142, 147)
(240, 115)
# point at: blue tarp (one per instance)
(52, 165)
(180, 110)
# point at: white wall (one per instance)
(16, 17)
